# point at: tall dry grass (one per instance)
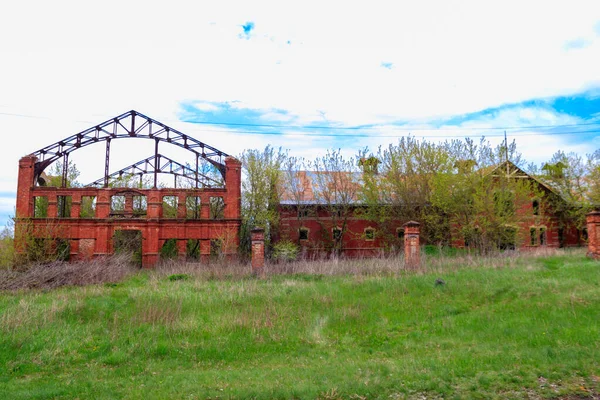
(56, 274)
(117, 267)
(384, 265)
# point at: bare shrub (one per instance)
(49, 276)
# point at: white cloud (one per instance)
(80, 63)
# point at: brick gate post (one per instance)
(412, 251)
(593, 228)
(258, 250)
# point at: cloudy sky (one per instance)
(303, 75)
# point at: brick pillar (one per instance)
(412, 251)
(24, 185)
(103, 203)
(205, 251)
(593, 228)
(181, 249)
(233, 185)
(154, 203)
(75, 205)
(150, 245)
(128, 212)
(181, 211)
(258, 250)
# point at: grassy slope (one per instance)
(507, 332)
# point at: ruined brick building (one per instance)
(325, 225)
(199, 220)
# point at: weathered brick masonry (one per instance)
(93, 235)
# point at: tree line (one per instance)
(452, 188)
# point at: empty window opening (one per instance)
(63, 206)
(542, 236)
(169, 251)
(302, 213)
(216, 248)
(140, 205)
(48, 249)
(561, 237)
(507, 239)
(217, 208)
(117, 205)
(400, 233)
(88, 207)
(303, 234)
(129, 244)
(532, 236)
(192, 250)
(337, 233)
(169, 207)
(369, 234)
(40, 209)
(192, 207)
(536, 207)
(63, 249)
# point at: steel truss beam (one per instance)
(163, 165)
(131, 124)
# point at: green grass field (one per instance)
(523, 329)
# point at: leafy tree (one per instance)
(569, 175)
(261, 186)
(403, 186)
(336, 187)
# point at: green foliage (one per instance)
(193, 249)
(46, 245)
(526, 330)
(442, 251)
(169, 207)
(261, 185)
(7, 248)
(129, 242)
(169, 250)
(575, 184)
(88, 207)
(285, 251)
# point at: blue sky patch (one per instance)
(583, 108)
(387, 65)
(579, 43)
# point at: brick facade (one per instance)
(93, 236)
(311, 225)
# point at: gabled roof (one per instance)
(511, 170)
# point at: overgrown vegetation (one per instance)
(513, 327)
(457, 190)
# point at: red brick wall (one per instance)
(81, 232)
(354, 240)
